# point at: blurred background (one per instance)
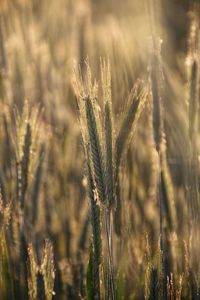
(40, 43)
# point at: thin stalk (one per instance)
(108, 239)
(160, 204)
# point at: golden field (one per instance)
(100, 149)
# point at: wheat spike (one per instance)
(108, 128)
(47, 270)
(33, 270)
(137, 99)
(96, 151)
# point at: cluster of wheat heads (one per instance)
(26, 273)
(144, 241)
(103, 153)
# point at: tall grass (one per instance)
(106, 206)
